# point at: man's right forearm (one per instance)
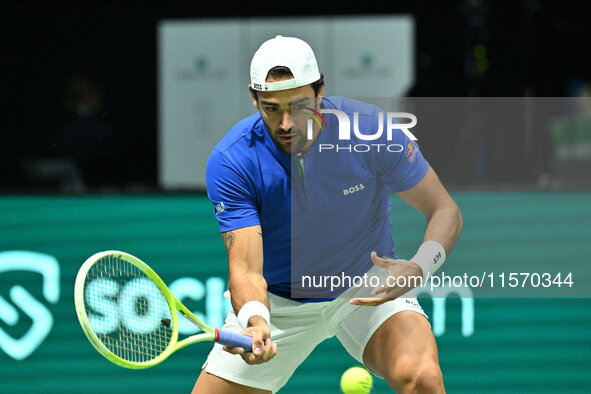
(249, 297)
(247, 284)
(245, 287)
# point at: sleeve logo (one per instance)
(219, 208)
(411, 151)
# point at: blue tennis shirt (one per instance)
(325, 223)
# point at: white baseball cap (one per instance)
(289, 52)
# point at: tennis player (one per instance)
(287, 208)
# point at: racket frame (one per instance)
(209, 333)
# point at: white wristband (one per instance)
(250, 309)
(429, 257)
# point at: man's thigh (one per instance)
(403, 351)
(360, 326)
(211, 384)
(404, 337)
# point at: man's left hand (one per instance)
(397, 269)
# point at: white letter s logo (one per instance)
(48, 267)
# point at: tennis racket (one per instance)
(131, 317)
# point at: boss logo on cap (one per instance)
(258, 86)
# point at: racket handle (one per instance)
(232, 339)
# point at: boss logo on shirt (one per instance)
(353, 189)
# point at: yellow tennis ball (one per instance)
(356, 380)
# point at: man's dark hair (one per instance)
(279, 72)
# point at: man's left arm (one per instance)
(444, 225)
(444, 220)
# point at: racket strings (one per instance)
(126, 309)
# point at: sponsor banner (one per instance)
(44, 241)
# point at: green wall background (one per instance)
(518, 345)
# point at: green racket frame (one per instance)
(209, 333)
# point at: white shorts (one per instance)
(298, 328)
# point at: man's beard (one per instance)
(294, 146)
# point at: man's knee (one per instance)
(418, 378)
(429, 380)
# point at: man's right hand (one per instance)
(262, 348)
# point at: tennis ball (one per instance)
(356, 380)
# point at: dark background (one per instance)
(533, 48)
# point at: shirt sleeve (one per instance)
(402, 165)
(234, 201)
